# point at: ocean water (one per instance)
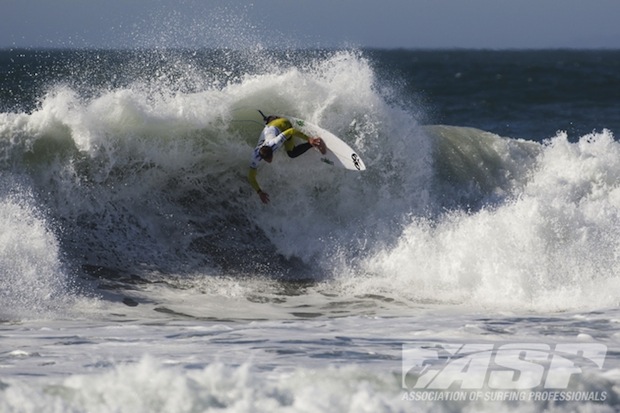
(474, 266)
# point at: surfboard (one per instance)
(338, 152)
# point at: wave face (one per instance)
(136, 162)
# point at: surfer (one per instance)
(278, 131)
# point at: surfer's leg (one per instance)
(295, 151)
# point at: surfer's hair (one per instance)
(266, 152)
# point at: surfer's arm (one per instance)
(252, 179)
(288, 131)
(299, 134)
(264, 197)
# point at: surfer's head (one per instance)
(266, 153)
(270, 119)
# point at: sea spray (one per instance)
(33, 280)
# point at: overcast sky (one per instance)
(495, 24)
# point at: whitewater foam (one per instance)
(158, 386)
(550, 246)
(33, 281)
(152, 181)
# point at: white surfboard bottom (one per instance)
(338, 152)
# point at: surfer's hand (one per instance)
(264, 197)
(319, 144)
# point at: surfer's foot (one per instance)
(319, 144)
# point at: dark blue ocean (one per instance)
(517, 94)
(474, 265)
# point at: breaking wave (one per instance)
(148, 176)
